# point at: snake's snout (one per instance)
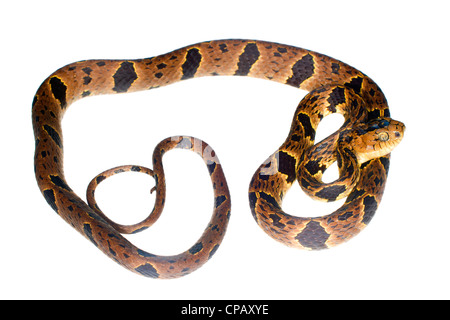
(396, 131)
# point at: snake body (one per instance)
(361, 148)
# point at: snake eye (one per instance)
(383, 136)
(384, 123)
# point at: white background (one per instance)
(403, 253)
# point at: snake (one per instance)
(361, 147)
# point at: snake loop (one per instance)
(362, 171)
(126, 229)
(361, 148)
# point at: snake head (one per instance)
(375, 138)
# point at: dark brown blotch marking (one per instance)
(313, 236)
(49, 195)
(191, 64)
(124, 77)
(147, 270)
(286, 165)
(53, 134)
(370, 207)
(301, 70)
(57, 181)
(308, 129)
(219, 200)
(247, 59)
(88, 232)
(331, 193)
(196, 248)
(59, 90)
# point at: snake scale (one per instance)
(361, 148)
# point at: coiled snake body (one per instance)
(361, 148)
